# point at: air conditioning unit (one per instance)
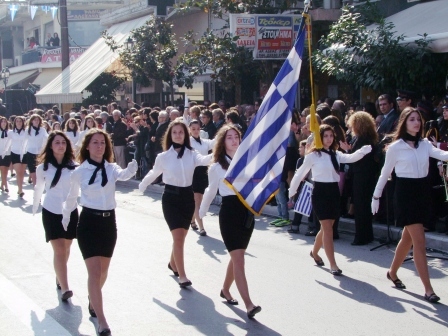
(18, 60)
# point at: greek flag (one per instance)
(256, 168)
(303, 204)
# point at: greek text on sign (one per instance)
(274, 22)
(55, 55)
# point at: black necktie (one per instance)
(97, 169)
(58, 173)
(4, 133)
(36, 129)
(182, 149)
(334, 160)
(198, 140)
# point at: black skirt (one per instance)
(178, 206)
(200, 179)
(31, 162)
(412, 201)
(96, 233)
(236, 223)
(6, 161)
(53, 225)
(15, 158)
(326, 200)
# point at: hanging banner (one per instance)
(33, 10)
(55, 55)
(13, 11)
(269, 36)
(54, 10)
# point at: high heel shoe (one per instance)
(317, 261)
(91, 311)
(175, 273)
(229, 301)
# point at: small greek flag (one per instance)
(303, 205)
(256, 168)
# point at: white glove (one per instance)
(365, 149)
(133, 166)
(65, 222)
(142, 186)
(291, 193)
(375, 205)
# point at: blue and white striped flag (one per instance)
(256, 168)
(303, 204)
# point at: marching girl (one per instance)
(324, 165)
(89, 123)
(5, 152)
(56, 164)
(200, 178)
(236, 223)
(177, 164)
(409, 155)
(37, 135)
(97, 230)
(72, 131)
(18, 151)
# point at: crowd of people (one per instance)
(376, 160)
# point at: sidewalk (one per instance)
(434, 241)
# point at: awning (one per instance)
(46, 76)
(17, 78)
(68, 86)
(424, 18)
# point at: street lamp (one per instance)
(129, 45)
(5, 76)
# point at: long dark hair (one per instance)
(167, 140)
(219, 151)
(30, 122)
(84, 153)
(23, 123)
(67, 126)
(7, 123)
(322, 129)
(401, 127)
(47, 155)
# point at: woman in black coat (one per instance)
(365, 174)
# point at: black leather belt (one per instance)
(101, 213)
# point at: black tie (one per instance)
(59, 168)
(334, 160)
(198, 140)
(4, 133)
(36, 129)
(97, 169)
(182, 149)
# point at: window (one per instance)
(84, 33)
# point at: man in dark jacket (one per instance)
(119, 135)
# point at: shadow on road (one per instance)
(212, 246)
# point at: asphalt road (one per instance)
(142, 297)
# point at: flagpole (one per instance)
(314, 125)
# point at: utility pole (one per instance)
(65, 49)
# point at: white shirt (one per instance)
(73, 139)
(35, 142)
(18, 142)
(176, 172)
(322, 169)
(204, 147)
(81, 137)
(216, 176)
(95, 196)
(408, 161)
(54, 197)
(5, 145)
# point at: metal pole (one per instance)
(65, 49)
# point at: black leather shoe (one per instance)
(185, 284)
(104, 332)
(67, 295)
(175, 273)
(253, 311)
(311, 233)
(229, 301)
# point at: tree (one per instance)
(230, 65)
(103, 89)
(152, 55)
(373, 56)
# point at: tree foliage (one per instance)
(374, 56)
(152, 54)
(103, 89)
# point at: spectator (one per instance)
(207, 124)
(119, 136)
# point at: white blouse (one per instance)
(35, 142)
(408, 161)
(73, 139)
(216, 176)
(81, 137)
(18, 142)
(321, 167)
(5, 146)
(204, 147)
(176, 172)
(94, 196)
(54, 197)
